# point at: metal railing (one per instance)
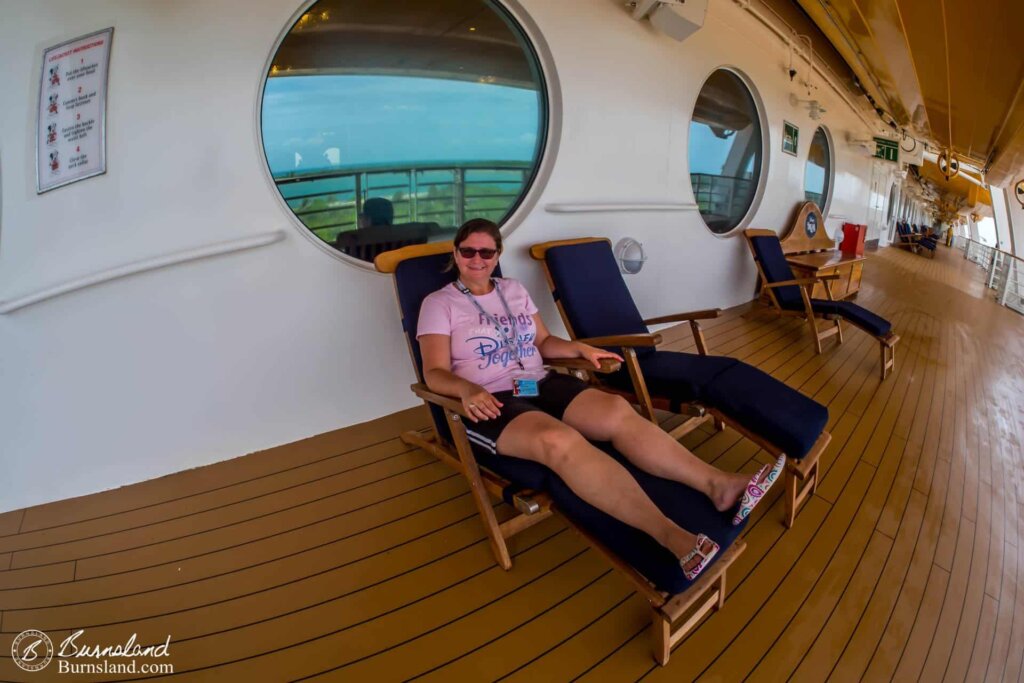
(329, 201)
(721, 198)
(1004, 272)
(979, 253)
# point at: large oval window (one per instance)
(391, 123)
(725, 151)
(818, 170)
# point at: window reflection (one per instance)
(816, 172)
(725, 151)
(386, 124)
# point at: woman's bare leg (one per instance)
(592, 475)
(602, 416)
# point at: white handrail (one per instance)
(153, 263)
(594, 207)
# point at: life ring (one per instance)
(1018, 191)
(948, 164)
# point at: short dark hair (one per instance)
(470, 227)
(475, 225)
(379, 211)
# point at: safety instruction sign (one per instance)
(71, 135)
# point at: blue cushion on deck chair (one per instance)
(773, 262)
(595, 299)
(768, 408)
(593, 294)
(856, 315)
(675, 375)
(415, 279)
(688, 508)
(749, 396)
(768, 251)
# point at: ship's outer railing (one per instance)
(721, 195)
(1007, 278)
(1004, 272)
(979, 253)
(330, 201)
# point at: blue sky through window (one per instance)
(319, 122)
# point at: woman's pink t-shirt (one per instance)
(479, 354)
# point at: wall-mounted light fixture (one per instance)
(631, 255)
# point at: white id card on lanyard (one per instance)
(527, 383)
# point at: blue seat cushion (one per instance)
(688, 508)
(856, 315)
(768, 251)
(768, 408)
(676, 376)
(592, 292)
(748, 396)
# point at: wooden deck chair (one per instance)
(923, 239)
(790, 297)
(677, 604)
(598, 309)
(906, 240)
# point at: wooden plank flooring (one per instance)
(350, 556)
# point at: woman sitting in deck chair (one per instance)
(481, 340)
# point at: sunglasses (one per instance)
(485, 254)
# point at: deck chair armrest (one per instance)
(608, 365)
(680, 317)
(452, 404)
(627, 340)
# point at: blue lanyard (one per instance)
(510, 343)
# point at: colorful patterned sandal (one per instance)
(705, 557)
(756, 489)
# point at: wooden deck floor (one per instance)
(351, 557)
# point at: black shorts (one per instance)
(557, 391)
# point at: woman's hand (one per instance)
(479, 403)
(594, 354)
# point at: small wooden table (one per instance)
(822, 263)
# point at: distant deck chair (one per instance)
(535, 492)
(366, 243)
(906, 238)
(924, 238)
(916, 241)
(790, 297)
(598, 309)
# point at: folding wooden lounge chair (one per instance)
(925, 238)
(597, 308)
(789, 297)
(906, 239)
(677, 604)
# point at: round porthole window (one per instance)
(725, 150)
(818, 171)
(386, 124)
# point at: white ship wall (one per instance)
(210, 359)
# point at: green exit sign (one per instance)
(887, 149)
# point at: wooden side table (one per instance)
(822, 263)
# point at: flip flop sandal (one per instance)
(705, 557)
(756, 489)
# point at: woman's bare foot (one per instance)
(728, 490)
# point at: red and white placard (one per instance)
(71, 135)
